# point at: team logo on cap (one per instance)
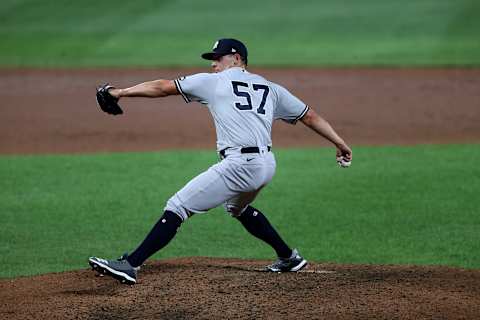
(233, 50)
(215, 45)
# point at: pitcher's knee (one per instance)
(234, 210)
(175, 205)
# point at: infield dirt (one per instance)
(54, 111)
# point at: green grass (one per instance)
(410, 205)
(278, 33)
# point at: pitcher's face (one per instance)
(226, 61)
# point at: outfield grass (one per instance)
(411, 205)
(278, 33)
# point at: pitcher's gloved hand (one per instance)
(106, 101)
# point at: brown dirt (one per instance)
(54, 111)
(206, 288)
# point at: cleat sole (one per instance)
(105, 270)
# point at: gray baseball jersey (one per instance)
(243, 106)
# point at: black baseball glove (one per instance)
(106, 101)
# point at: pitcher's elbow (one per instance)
(309, 117)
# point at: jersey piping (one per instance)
(302, 114)
(179, 89)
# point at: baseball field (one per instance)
(395, 236)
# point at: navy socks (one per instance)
(166, 228)
(161, 234)
(257, 224)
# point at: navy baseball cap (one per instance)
(226, 46)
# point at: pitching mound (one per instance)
(207, 288)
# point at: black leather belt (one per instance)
(245, 150)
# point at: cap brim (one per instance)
(211, 55)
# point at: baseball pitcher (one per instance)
(243, 106)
